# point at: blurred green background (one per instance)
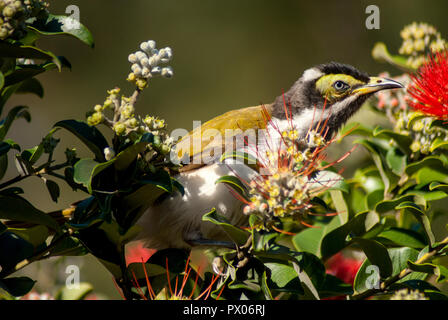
(227, 54)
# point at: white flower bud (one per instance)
(156, 70)
(140, 55)
(136, 69)
(109, 153)
(154, 60)
(133, 58)
(145, 62)
(148, 46)
(146, 73)
(167, 72)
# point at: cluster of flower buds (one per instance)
(395, 103)
(419, 40)
(286, 191)
(124, 121)
(15, 13)
(421, 130)
(146, 63)
(406, 294)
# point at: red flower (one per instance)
(343, 267)
(429, 87)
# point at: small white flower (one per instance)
(109, 153)
(167, 72)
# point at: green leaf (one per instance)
(354, 128)
(439, 271)
(18, 209)
(63, 25)
(244, 157)
(396, 161)
(36, 235)
(282, 275)
(421, 217)
(152, 188)
(374, 198)
(403, 237)
(334, 286)
(87, 169)
(13, 114)
(438, 143)
(78, 292)
(377, 255)
(69, 246)
(31, 86)
(30, 52)
(14, 249)
(237, 235)
(90, 136)
(3, 165)
(389, 205)
(402, 141)
(53, 189)
(428, 170)
(310, 239)
(377, 152)
(2, 80)
(235, 184)
(380, 53)
(368, 277)
(336, 240)
(127, 156)
(17, 286)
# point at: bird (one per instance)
(335, 91)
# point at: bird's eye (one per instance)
(340, 85)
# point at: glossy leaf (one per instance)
(390, 180)
(336, 240)
(237, 235)
(18, 209)
(380, 53)
(421, 217)
(53, 189)
(439, 271)
(31, 86)
(377, 255)
(36, 235)
(17, 286)
(90, 136)
(30, 52)
(63, 25)
(402, 141)
(310, 239)
(13, 114)
(235, 184)
(403, 237)
(368, 275)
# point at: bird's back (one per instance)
(213, 138)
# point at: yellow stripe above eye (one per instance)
(325, 85)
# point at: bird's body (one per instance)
(331, 92)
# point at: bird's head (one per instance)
(333, 92)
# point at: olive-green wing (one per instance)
(217, 134)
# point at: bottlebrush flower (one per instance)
(176, 291)
(429, 87)
(344, 268)
(291, 173)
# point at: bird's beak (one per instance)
(377, 84)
